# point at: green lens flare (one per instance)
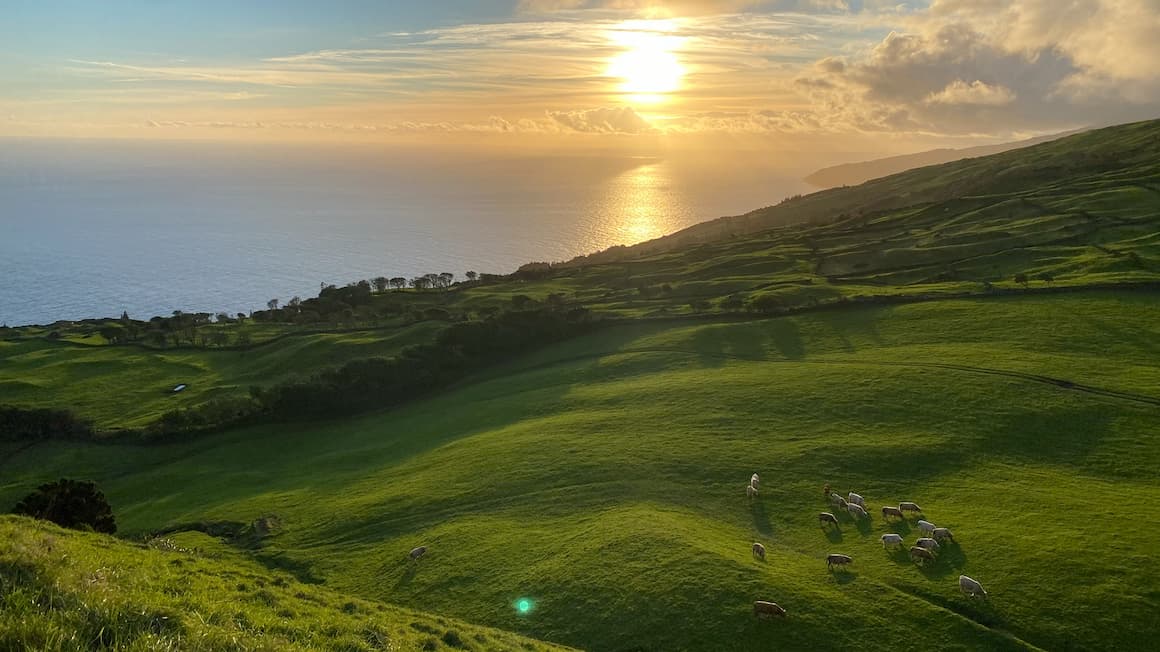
(524, 606)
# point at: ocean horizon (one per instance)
(89, 229)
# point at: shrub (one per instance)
(72, 504)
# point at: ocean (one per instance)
(94, 228)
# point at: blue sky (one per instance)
(826, 70)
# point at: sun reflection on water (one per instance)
(640, 205)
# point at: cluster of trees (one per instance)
(41, 423)
(375, 383)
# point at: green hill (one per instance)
(979, 337)
(64, 590)
(602, 478)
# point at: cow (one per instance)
(888, 511)
(759, 551)
(826, 517)
(837, 560)
(909, 507)
(856, 499)
(926, 527)
(920, 555)
(943, 534)
(971, 587)
(763, 609)
(837, 501)
(417, 553)
(755, 480)
(929, 544)
(856, 511)
(751, 491)
(891, 540)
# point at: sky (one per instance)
(710, 74)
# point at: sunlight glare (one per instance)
(649, 66)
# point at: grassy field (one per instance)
(603, 479)
(1072, 213)
(130, 386)
(62, 590)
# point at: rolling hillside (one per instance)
(603, 480)
(62, 590)
(853, 174)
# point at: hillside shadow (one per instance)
(761, 518)
(717, 345)
(843, 577)
(833, 534)
(865, 526)
(951, 559)
(786, 337)
(848, 324)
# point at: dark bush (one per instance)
(73, 504)
(35, 424)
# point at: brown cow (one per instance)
(763, 609)
(920, 555)
(827, 518)
(888, 511)
(909, 507)
(838, 560)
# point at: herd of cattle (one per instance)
(925, 548)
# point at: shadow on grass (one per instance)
(408, 575)
(760, 518)
(833, 534)
(950, 559)
(865, 526)
(843, 577)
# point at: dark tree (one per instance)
(113, 333)
(73, 504)
(446, 279)
(1046, 278)
(380, 283)
(398, 282)
(1021, 279)
(471, 276)
(272, 304)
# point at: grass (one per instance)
(603, 479)
(128, 386)
(62, 590)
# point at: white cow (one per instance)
(856, 511)
(856, 499)
(927, 528)
(755, 480)
(837, 501)
(891, 540)
(971, 587)
(750, 491)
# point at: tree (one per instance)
(381, 283)
(294, 303)
(73, 504)
(113, 333)
(398, 282)
(471, 276)
(732, 302)
(446, 279)
(272, 304)
(1046, 278)
(1021, 279)
(420, 282)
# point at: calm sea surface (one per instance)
(91, 229)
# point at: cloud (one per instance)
(612, 120)
(977, 93)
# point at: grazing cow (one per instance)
(838, 560)
(892, 540)
(888, 511)
(971, 587)
(909, 507)
(417, 553)
(856, 511)
(856, 499)
(755, 480)
(929, 544)
(826, 517)
(926, 527)
(763, 609)
(751, 491)
(920, 555)
(943, 534)
(759, 551)
(837, 501)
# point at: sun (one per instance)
(649, 67)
